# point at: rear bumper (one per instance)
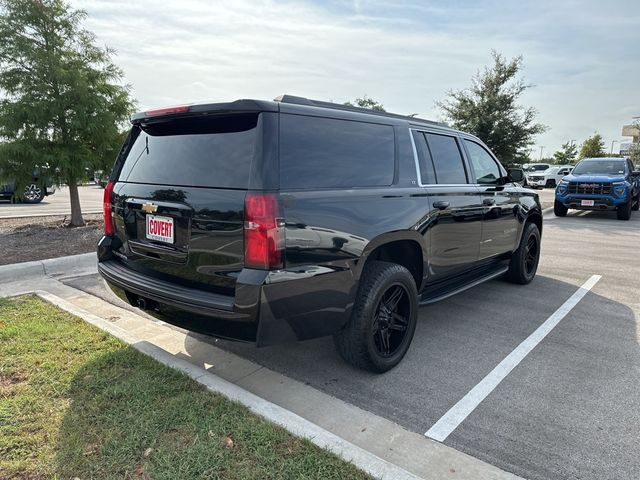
(268, 307)
(189, 299)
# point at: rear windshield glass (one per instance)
(605, 167)
(199, 152)
(320, 152)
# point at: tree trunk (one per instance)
(76, 211)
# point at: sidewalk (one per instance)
(372, 443)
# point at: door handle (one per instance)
(489, 201)
(441, 205)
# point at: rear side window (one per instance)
(318, 152)
(427, 174)
(199, 152)
(447, 159)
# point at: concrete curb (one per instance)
(293, 423)
(71, 266)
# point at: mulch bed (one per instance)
(38, 238)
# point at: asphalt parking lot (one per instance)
(56, 204)
(569, 409)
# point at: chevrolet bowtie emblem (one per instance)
(149, 207)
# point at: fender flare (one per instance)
(389, 237)
(529, 216)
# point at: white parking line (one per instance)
(467, 404)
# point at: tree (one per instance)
(490, 110)
(593, 147)
(366, 102)
(62, 105)
(566, 155)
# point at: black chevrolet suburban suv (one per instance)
(269, 221)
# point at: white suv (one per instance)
(549, 178)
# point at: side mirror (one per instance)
(515, 174)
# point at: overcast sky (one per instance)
(582, 56)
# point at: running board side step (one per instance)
(426, 299)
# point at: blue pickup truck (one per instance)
(600, 184)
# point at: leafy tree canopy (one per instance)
(490, 110)
(367, 102)
(566, 155)
(62, 104)
(593, 147)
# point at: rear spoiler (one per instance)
(203, 109)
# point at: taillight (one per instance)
(167, 110)
(263, 231)
(107, 210)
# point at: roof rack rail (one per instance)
(350, 108)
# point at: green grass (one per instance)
(76, 402)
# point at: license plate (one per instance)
(587, 203)
(160, 228)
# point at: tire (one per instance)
(559, 209)
(366, 343)
(550, 184)
(33, 193)
(636, 206)
(524, 261)
(624, 211)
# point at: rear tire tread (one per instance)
(351, 340)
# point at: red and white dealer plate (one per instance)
(160, 228)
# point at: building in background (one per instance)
(632, 130)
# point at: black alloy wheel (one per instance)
(383, 319)
(531, 255)
(391, 320)
(524, 261)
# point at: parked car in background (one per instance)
(270, 221)
(535, 167)
(600, 184)
(532, 168)
(549, 177)
(34, 192)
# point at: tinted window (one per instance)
(484, 166)
(446, 159)
(425, 163)
(202, 152)
(326, 153)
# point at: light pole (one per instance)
(541, 148)
(612, 142)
